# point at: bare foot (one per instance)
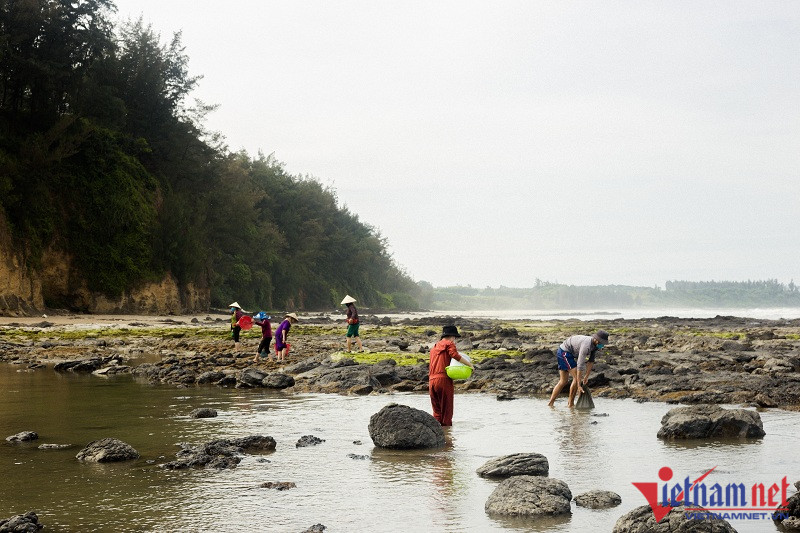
(550, 404)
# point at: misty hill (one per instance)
(710, 294)
(113, 196)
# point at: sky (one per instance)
(497, 143)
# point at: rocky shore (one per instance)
(690, 361)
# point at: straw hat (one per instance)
(291, 315)
(348, 300)
(236, 305)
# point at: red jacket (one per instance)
(441, 354)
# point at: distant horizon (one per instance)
(659, 285)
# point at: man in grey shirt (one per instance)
(586, 348)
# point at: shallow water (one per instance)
(390, 491)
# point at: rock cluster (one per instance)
(22, 523)
(221, 453)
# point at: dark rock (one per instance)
(23, 436)
(505, 396)
(86, 365)
(710, 421)
(504, 332)
(227, 381)
(358, 443)
(530, 496)
(329, 379)
(344, 361)
(210, 377)
(250, 377)
(261, 443)
(316, 528)
(106, 451)
(277, 381)
(517, 464)
(598, 499)
(641, 520)
(732, 346)
(303, 366)
(203, 412)
(278, 485)
(403, 344)
(355, 456)
(308, 440)
(403, 427)
(360, 390)
(21, 523)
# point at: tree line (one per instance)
(103, 157)
(546, 295)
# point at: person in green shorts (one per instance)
(352, 322)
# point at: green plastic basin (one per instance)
(459, 371)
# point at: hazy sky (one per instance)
(494, 143)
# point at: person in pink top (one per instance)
(262, 319)
(440, 386)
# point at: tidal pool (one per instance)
(390, 491)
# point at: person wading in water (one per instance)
(586, 347)
(440, 386)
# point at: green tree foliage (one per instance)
(101, 157)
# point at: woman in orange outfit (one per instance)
(440, 386)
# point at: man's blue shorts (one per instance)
(566, 361)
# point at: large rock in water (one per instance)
(710, 421)
(107, 450)
(641, 520)
(403, 427)
(21, 523)
(516, 464)
(530, 496)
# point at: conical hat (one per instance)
(292, 315)
(236, 305)
(348, 300)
